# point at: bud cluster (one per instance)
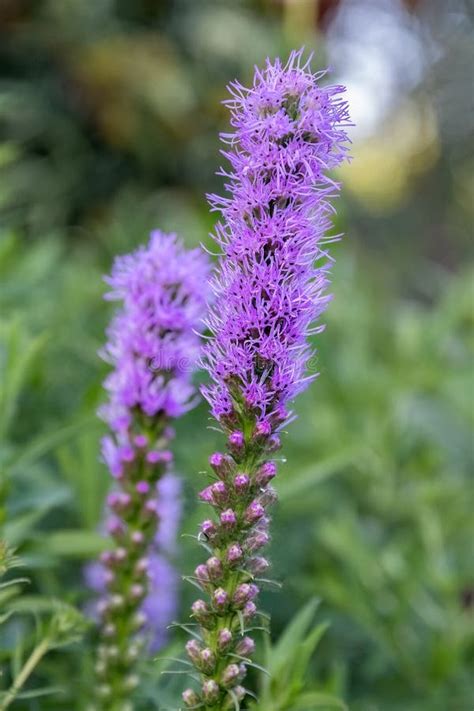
(240, 495)
(132, 524)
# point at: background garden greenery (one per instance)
(109, 113)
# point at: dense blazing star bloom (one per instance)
(153, 347)
(270, 290)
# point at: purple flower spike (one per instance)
(153, 347)
(270, 289)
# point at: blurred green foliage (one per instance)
(109, 113)
(375, 500)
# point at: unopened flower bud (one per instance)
(214, 568)
(273, 443)
(131, 682)
(109, 630)
(245, 647)
(262, 430)
(104, 691)
(207, 661)
(137, 591)
(115, 527)
(254, 512)
(224, 639)
(201, 612)
(243, 594)
(193, 651)
(257, 565)
(258, 540)
(190, 698)
(116, 601)
(228, 518)
(222, 464)
(249, 611)
(137, 538)
(139, 619)
(210, 691)
(220, 599)
(268, 497)
(266, 473)
(241, 482)
(239, 692)
(127, 453)
(230, 676)
(141, 566)
(100, 668)
(140, 440)
(206, 495)
(202, 574)
(142, 487)
(208, 528)
(219, 492)
(234, 554)
(106, 557)
(132, 653)
(120, 554)
(151, 507)
(236, 442)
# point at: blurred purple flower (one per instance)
(153, 347)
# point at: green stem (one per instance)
(35, 657)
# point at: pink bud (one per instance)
(220, 599)
(249, 611)
(234, 554)
(208, 528)
(245, 647)
(216, 459)
(207, 660)
(137, 591)
(141, 440)
(202, 574)
(193, 650)
(254, 512)
(142, 487)
(224, 639)
(120, 554)
(206, 495)
(266, 473)
(242, 595)
(263, 429)
(214, 568)
(127, 453)
(241, 482)
(210, 691)
(137, 538)
(236, 442)
(153, 456)
(190, 698)
(258, 565)
(230, 675)
(228, 518)
(219, 492)
(258, 540)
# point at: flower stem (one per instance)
(35, 657)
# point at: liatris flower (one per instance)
(270, 289)
(153, 346)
